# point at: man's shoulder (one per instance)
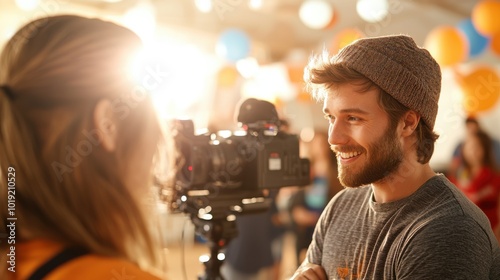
(441, 204)
(439, 198)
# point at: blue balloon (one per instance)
(477, 42)
(234, 44)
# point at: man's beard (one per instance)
(386, 155)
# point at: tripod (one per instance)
(219, 225)
(218, 232)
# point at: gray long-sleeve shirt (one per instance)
(435, 233)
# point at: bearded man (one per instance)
(396, 218)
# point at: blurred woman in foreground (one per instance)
(77, 142)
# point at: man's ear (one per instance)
(105, 122)
(410, 121)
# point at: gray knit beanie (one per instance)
(399, 67)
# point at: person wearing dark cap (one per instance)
(396, 218)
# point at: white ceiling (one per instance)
(277, 25)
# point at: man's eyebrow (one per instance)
(347, 111)
(354, 110)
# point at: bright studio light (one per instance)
(141, 19)
(269, 83)
(165, 69)
(372, 10)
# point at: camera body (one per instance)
(219, 174)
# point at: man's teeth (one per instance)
(349, 155)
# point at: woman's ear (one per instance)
(105, 122)
(411, 120)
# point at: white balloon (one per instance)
(372, 10)
(204, 6)
(315, 14)
(247, 67)
(27, 5)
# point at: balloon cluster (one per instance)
(450, 45)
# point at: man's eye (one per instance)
(353, 119)
(328, 117)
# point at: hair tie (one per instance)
(8, 91)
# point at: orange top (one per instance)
(30, 255)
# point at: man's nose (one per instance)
(337, 134)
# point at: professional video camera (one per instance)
(221, 176)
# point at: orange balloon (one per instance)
(227, 76)
(481, 89)
(304, 97)
(495, 43)
(296, 74)
(486, 17)
(447, 45)
(345, 37)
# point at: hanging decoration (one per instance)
(477, 42)
(345, 37)
(372, 10)
(486, 17)
(447, 45)
(480, 90)
(495, 44)
(233, 45)
(316, 14)
(227, 76)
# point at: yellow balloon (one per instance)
(227, 76)
(447, 45)
(481, 90)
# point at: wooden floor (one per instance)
(184, 263)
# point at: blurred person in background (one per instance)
(477, 176)
(79, 136)
(472, 126)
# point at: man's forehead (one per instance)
(341, 98)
